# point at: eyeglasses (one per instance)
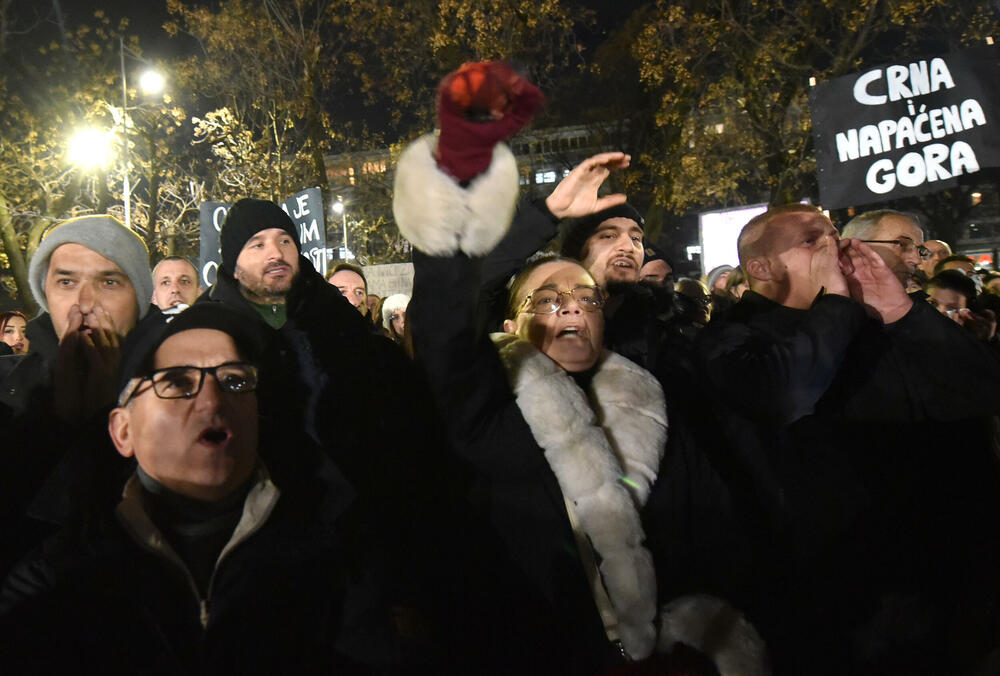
(546, 301)
(185, 382)
(905, 246)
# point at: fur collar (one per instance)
(588, 439)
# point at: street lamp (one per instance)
(90, 148)
(339, 208)
(151, 82)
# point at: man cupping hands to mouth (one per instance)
(89, 274)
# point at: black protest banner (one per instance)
(211, 215)
(906, 129)
(306, 211)
(304, 208)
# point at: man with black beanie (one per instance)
(343, 382)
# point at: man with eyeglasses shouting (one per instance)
(216, 559)
(894, 236)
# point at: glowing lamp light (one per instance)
(151, 82)
(338, 207)
(90, 148)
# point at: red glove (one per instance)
(480, 105)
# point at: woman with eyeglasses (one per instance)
(563, 440)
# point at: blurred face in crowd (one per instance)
(372, 303)
(965, 266)
(202, 447)
(174, 282)
(992, 286)
(902, 258)
(720, 282)
(614, 252)
(939, 251)
(352, 286)
(658, 272)
(946, 301)
(779, 260)
(701, 301)
(267, 266)
(398, 321)
(13, 334)
(80, 280)
(572, 335)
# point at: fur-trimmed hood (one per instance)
(604, 448)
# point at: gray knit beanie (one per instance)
(106, 236)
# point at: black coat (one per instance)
(549, 622)
(366, 404)
(841, 437)
(280, 601)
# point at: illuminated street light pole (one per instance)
(151, 82)
(338, 207)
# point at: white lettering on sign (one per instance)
(208, 274)
(935, 162)
(303, 206)
(925, 126)
(904, 82)
(309, 232)
(219, 217)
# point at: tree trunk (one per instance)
(16, 260)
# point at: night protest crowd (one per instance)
(543, 463)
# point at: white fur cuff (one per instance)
(440, 217)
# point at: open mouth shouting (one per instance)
(215, 438)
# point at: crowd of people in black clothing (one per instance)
(541, 463)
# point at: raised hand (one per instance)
(873, 284)
(576, 195)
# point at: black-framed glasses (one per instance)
(905, 246)
(545, 301)
(185, 382)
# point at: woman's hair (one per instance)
(7, 316)
(517, 281)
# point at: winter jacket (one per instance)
(115, 594)
(553, 620)
(867, 516)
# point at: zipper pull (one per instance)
(204, 614)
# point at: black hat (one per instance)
(249, 334)
(245, 219)
(578, 231)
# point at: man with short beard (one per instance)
(326, 350)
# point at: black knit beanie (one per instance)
(250, 336)
(245, 219)
(578, 231)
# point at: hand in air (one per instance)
(577, 194)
